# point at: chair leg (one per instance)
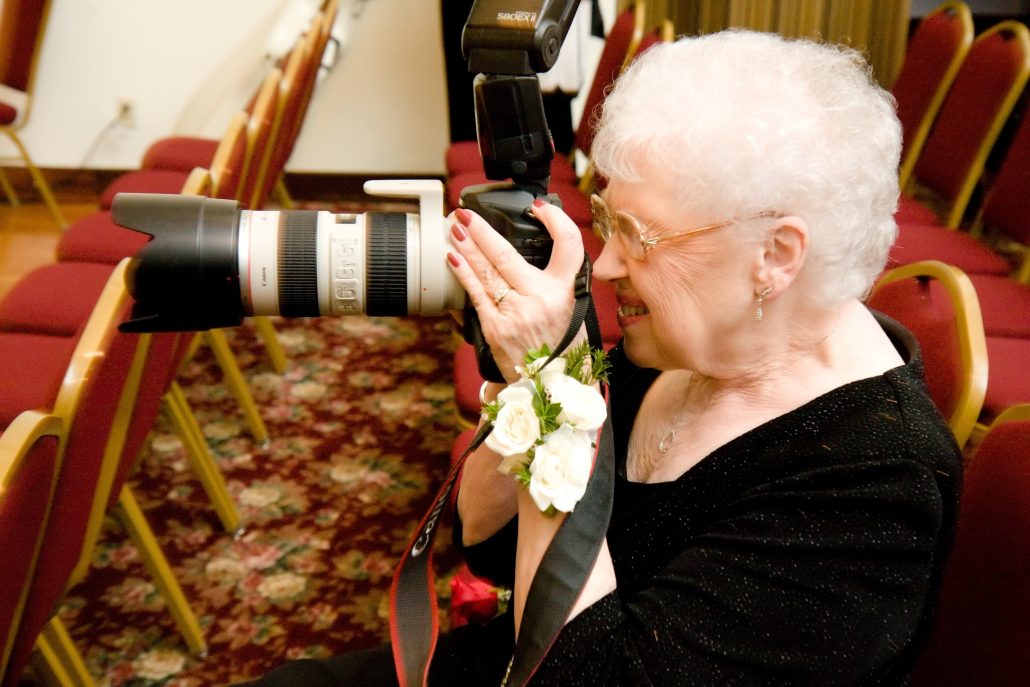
(199, 455)
(282, 195)
(266, 330)
(8, 189)
(131, 517)
(219, 345)
(57, 660)
(39, 180)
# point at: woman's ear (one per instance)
(782, 255)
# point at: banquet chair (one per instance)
(620, 45)
(22, 28)
(998, 240)
(29, 464)
(96, 402)
(983, 619)
(54, 300)
(938, 304)
(983, 95)
(932, 59)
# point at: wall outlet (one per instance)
(126, 113)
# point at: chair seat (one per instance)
(96, 238)
(7, 114)
(55, 300)
(1008, 383)
(918, 242)
(144, 181)
(180, 153)
(911, 211)
(1005, 305)
(33, 369)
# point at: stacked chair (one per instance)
(627, 39)
(22, 28)
(80, 397)
(980, 119)
(981, 633)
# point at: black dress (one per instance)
(806, 551)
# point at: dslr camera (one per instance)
(211, 263)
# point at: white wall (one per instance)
(187, 65)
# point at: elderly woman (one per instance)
(785, 492)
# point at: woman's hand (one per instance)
(520, 307)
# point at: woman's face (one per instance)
(689, 304)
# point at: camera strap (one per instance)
(414, 621)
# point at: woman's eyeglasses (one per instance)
(637, 242)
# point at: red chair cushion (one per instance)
(7, 114)
(144, 181)
(1007, 205)
(96, 238)
(1005, 305)
(1007, 381)
(33, 368)
(55, 300)
(180, 153)
(918, 242)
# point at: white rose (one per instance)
(555, 368)
(511, 465)
(516, 428)
(560, 469)
(582, 405)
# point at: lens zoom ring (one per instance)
(298, 264)
(386, 281)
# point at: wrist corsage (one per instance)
(544, 425)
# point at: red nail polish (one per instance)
(463, 216)
(453, 259)
(458, 233)
(539, 202)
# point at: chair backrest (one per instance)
(287, 106)
(259, 130)
(229, 158)
(322, 26)
(932, 59)
(938, 304)
(88, 405)
(1006, 207)
(22, 25)
(662, 33)
(985, 90)
(983, 621)
(619, 48)
(29, 462)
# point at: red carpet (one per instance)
(361, 427)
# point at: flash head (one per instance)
(518, 37)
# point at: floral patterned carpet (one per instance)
(361, 426)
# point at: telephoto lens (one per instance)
(210, 264)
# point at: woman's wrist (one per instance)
(488, 392)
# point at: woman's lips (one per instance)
(629, 313)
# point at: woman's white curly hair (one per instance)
(740, 122)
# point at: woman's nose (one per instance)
(610, 264)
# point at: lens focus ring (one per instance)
(298, 267)
(386, 282)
